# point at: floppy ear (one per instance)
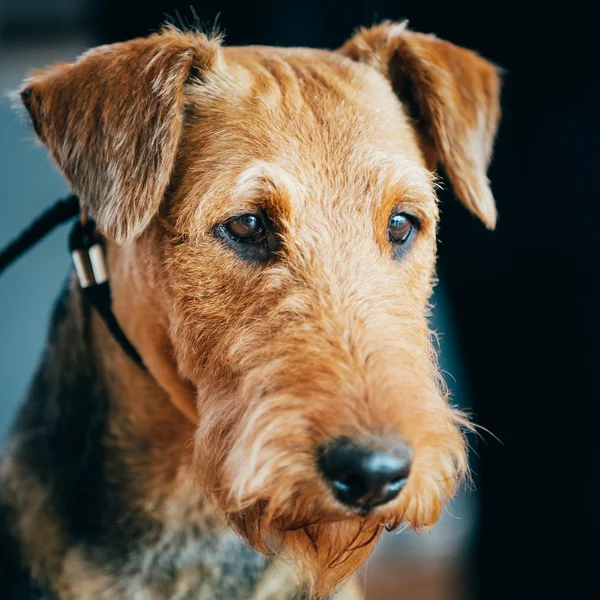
(453, 96)
(112, 122)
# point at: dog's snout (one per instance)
(361, 477)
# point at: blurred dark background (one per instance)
(518, 302)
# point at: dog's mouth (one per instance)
(282, 525)
(366, 515)
(389, 525)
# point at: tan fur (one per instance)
(37, 523)
(254, 367)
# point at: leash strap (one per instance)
(63, 211)
(87, 253)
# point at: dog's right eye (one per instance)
(249, 235)
(247, 229)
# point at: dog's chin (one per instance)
(282, 505)
(326, 543)
(324, 551)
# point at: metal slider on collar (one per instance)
(87, 253)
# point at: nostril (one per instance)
(349, 487)
(361, 477)
(348, 482)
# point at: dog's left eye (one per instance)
(400, 228)
(401, 232)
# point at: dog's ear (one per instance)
(112, 122)
(453, 96)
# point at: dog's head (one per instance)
(276, 208)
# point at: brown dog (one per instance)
(270, 221)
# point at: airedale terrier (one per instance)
(269, 218)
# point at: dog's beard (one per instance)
(299, 523)
(324, 552)
(268, 488)
(259, 468)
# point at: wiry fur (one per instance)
(165, 138)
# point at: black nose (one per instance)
(361, 477)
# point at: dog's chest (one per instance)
(184, 565)
(209, 567)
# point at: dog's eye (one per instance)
(252, 236)
(400, 228)
(247, 229)
(401, 232)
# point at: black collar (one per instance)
(87, 252)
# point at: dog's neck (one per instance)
(109, 457)
(141, 302)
